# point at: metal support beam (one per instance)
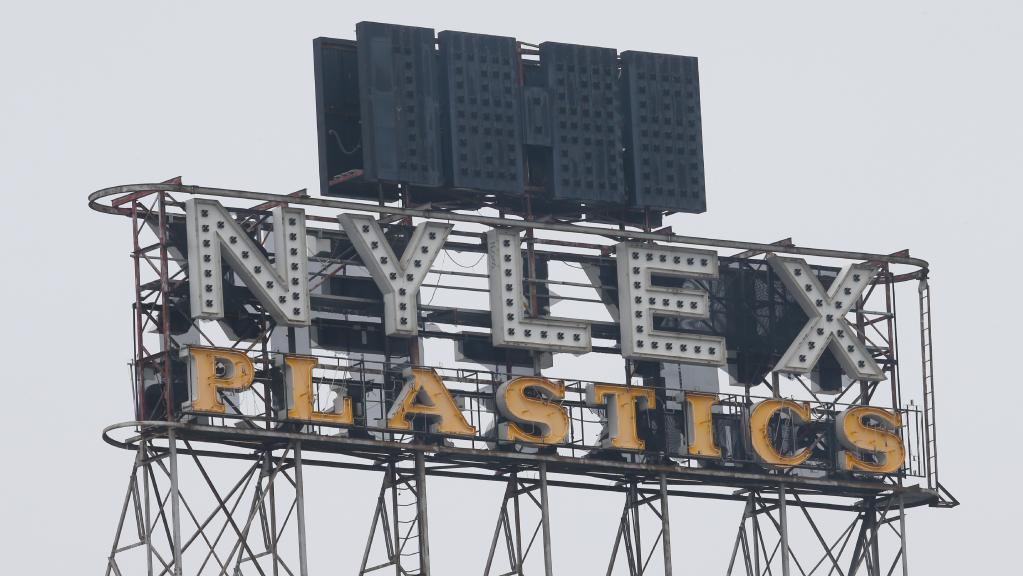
(783, 530)
(175, 502)
(243, 531)
(859, 548)
(424, 534)
(174, 533)
(874, 567)
(391, 482)
(902, 536)
(303, 560)
(510, 521)
(397, 529)
(545, 520)
(149, 523)
(344, 205)
(520, 555)
(629, 530)
(665, 527)
(756, 532)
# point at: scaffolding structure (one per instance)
(256, 522)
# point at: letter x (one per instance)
(827, 326)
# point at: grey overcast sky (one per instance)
(873, 126)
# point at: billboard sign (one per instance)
(662, 290)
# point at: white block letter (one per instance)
(399, 280)
(513, 327)
(639, 300)
(826, 326)
(282, 287)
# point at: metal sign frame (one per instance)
(278, 451)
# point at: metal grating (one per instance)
(484, 117)
(663, 133)
(399, 104)
(537, 125)
(585, 122)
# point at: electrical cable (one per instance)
(457, 263)
(443, 254)
(344, 150)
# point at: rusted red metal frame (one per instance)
(140, 345)
(165, 338)
(141, 215)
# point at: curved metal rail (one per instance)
(457, 461)
(445, 215)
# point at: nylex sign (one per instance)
(281, 286)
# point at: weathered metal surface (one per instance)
(444, 215)
(278, 452)
(375, 450)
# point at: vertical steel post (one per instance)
(165, 337)
(129, 495)
(874, 569)
(497, 533)
(866, 551)
(303, 560)
(273, 530)
(424, 536)
(175, 501)
(149, 522)
(902, 534)
(784, 530)
(545, 521)
(518, 525)
(756, 531)
(392, 476)
(665, 527)
(858, 549)
(861, 331)
(140, 347)
(632, 509)
(893, 340)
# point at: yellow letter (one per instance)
(425, 394)
(701, 438)
(550, 418)
(857, 436)
(298, 381)
(621, 413)
(236, 373)
(761, 439)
